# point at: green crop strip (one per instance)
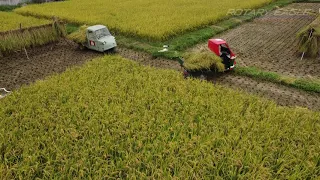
(312, 85)
(113, 118)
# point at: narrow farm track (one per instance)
(270, 43)
(148, 60)
(16, 70)
(282, 95)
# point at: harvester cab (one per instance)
(222, 49)
(99, 38)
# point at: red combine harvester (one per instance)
(221, 49)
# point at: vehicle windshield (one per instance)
(102, 33)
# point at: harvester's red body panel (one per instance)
(215, 44)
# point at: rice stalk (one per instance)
(28, 38)
(79, 36)
(203, 60)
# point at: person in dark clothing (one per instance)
(225, 50)
(225, 60)
(225, 55)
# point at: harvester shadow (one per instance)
(211, 76)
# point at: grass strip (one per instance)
(312, 85)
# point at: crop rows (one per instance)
(152, 19)
(113, 118)
(11, 21)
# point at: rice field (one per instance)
(11, 41)
(151, 19)
(115, 119)
(11, 21)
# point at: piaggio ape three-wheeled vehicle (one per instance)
(99, 38)
(221, 49)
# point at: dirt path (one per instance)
(282, 95)
(148, 60)
(269, 42)
(16, 70)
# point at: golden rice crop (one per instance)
(153, 19)
(79, 36)
(11, 21)
(115, 119)
(203, 60)
(30, 37)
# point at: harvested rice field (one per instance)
(270, 42)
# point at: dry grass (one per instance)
(310, 44)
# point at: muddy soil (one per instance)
(16, 70)
(270, 43)
(282, 95)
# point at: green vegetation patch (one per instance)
(113, 118)
(8, 8)
(312, 85)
